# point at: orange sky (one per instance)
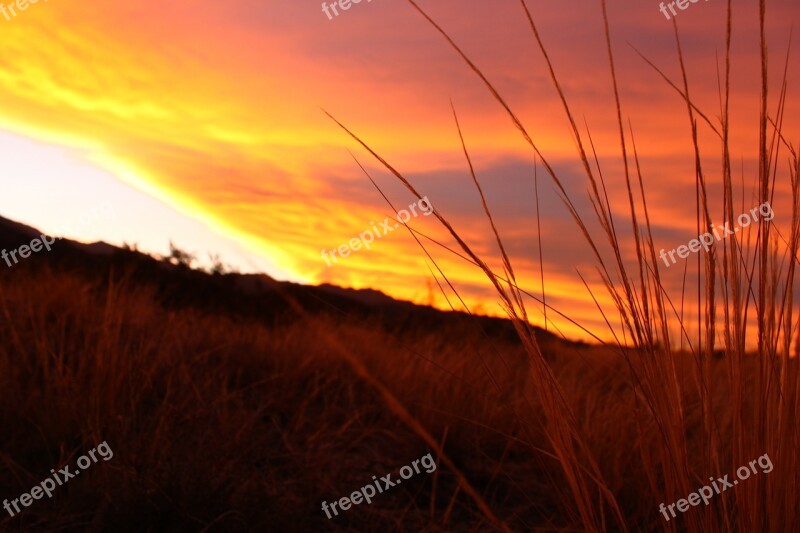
(202, 122)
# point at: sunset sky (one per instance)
(202, 123)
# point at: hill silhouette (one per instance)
(226, 398)
(236, 402)
(243, 295)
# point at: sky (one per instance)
(204, 123)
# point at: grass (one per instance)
(752, 282)
(225, 424)
(223, 421)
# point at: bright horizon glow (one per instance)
(30, 165)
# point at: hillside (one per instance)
(240, 403)
(229, 404)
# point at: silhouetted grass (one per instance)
(234, 425)
(678, 444)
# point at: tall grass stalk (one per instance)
(752, 282)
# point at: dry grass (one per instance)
(224, 424)
(692, 417)
(237, 426)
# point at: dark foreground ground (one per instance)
(229, 404)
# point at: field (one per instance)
(226, 422)
(236, 402)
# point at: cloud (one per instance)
(216, 108)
